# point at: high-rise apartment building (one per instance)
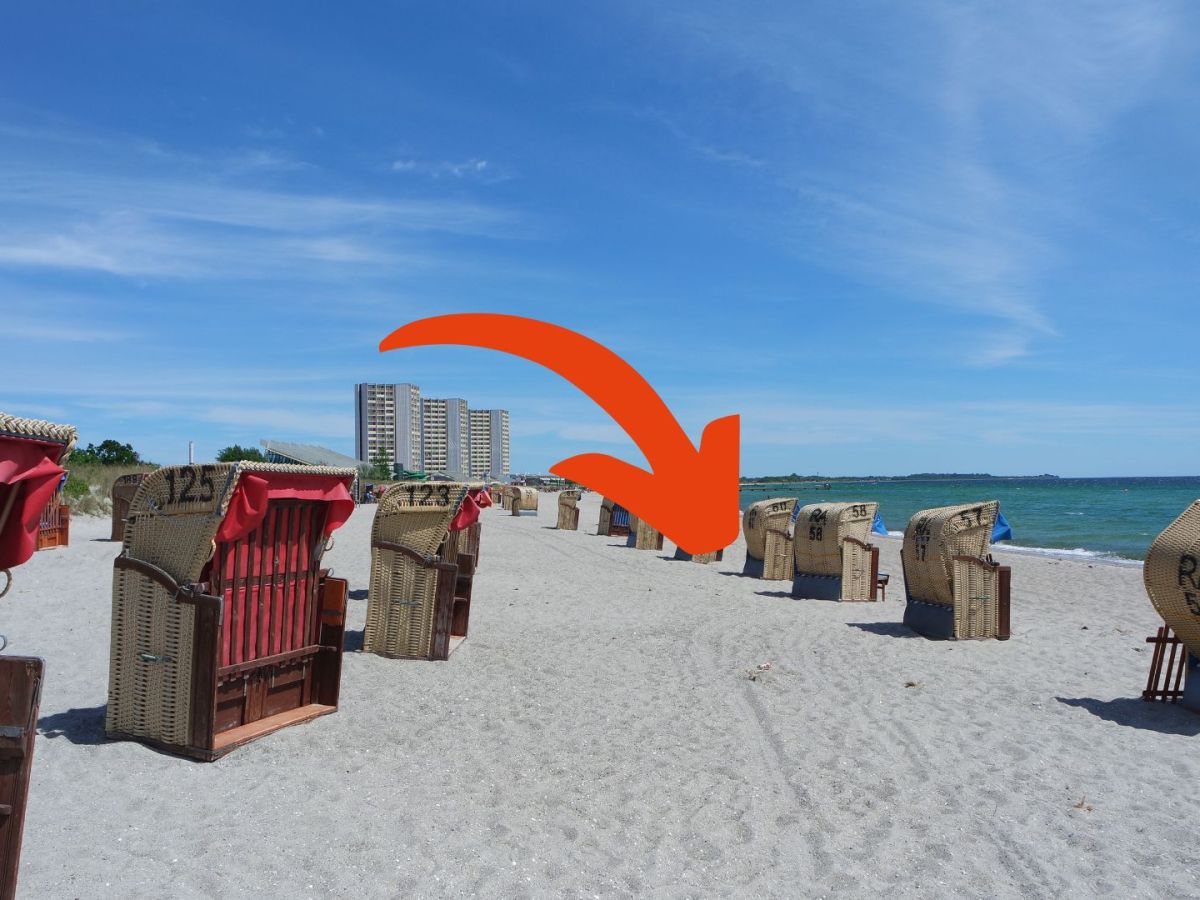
(481, 443)
(429, 435)
(446, 436)
(489, 443)
(388, 422)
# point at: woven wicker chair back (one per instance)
(527, 496)
(1172, 577)
(774, 513)
(401, 598)
(172, 525)
(820, 530)
(569, 498)
(934, 537)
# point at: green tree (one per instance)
(381, 467)
(236, 453)
(107, 453)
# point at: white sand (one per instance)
(597, 735)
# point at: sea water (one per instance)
(1107, 518)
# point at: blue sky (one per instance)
(947, 237)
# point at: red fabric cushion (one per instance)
(31, 469)
(248, 505)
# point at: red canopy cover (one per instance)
(248, 506)
(475, 500)
(31, 470)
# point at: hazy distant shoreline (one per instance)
(868, 479)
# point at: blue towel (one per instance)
(877, 527)
(1001, 531)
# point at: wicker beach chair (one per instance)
(833, 560)
(418, 604)
(224, 626)
(523, 501)
(54, 526)
(568, 510)
(703, 558)
(642, 535)
(1172, 578)
(767, 527)
(31, 476)
(31, 457)
(123, 491)
(954, 588)
(614, 519)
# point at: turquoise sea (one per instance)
(1113, 518)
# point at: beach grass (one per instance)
(89, 486)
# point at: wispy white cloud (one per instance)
(963, 144)
(260, 160)
(598, 432)
(321, 423)
(475, 169)
(52, 131)
(193, 199)
(133, 245)
(53, 329)
(702, 147)
(784, 423)
(187, 228)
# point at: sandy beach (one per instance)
(599, 734)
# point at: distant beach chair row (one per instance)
(953, 588)
(616, 521)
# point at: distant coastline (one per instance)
(763, 480)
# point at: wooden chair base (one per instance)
(830, 587)
(235, 704)
(20, 697)
(1171, 672)
(230, 740)
(936, 620)
(705, 558)
(656, 541)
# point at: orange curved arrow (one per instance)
(691, 496)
